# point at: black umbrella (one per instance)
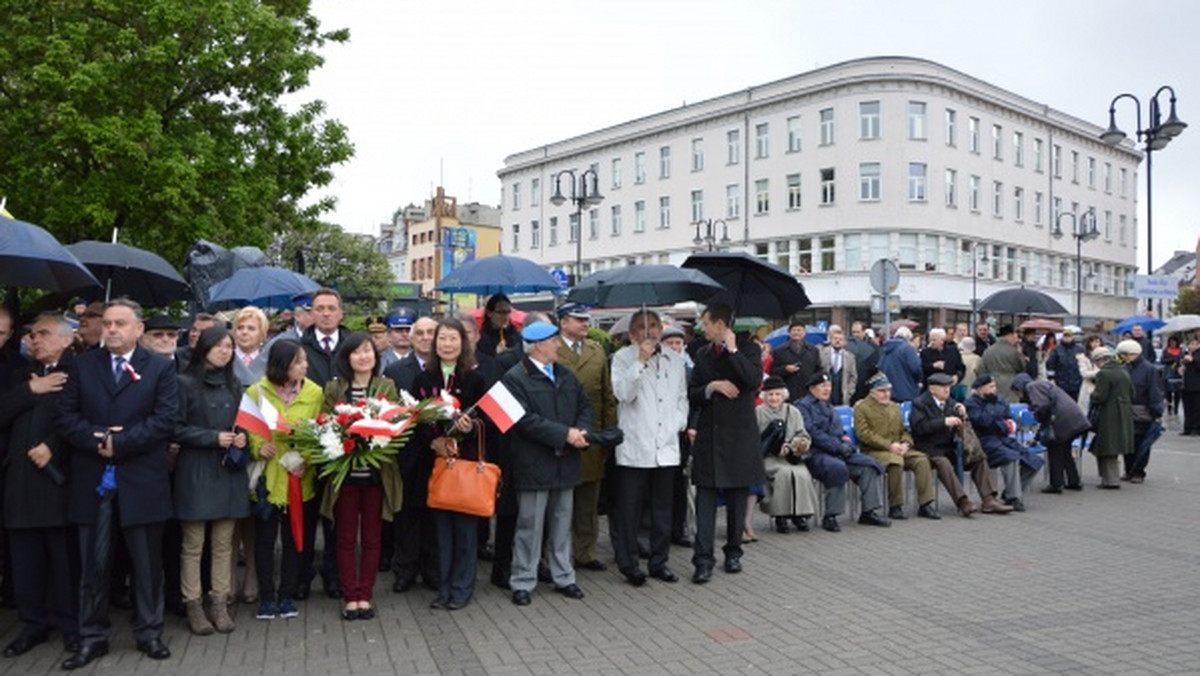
(641, 285)
(754, 287)
(123, 270)
(30, 257)
(1022, 301)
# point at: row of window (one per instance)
(870, 115)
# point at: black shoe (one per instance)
(500, 581)
(829, 523)
(733, 564)
(369, 613)
(595, 564)
(1016, 503)
(1052, 490)
(351, 614)
(800, 523)
(635, 577)
(1110, 487)
(682, 542)
(486, 553)
(23, 644)
(896, 513)
(872, 519)
(456, 605)
(571, 591)
(703, 573)
(781, 525)
(664, 574)
(85, 655)
(71, 644)
(1074, 487)
(521, 598)
(929, 510)
(333, 590)
(544, 574)
(155, 649)
(403, 584)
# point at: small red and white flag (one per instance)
(502, 407)
(260, 418)
(374, 427)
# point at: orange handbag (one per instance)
(465, 486)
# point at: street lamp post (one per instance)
(1083, 229)
(582, 195)
(710, 233)
(975, 281)
(1156, 136)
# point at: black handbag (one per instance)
(1045, 434)
(772, 438)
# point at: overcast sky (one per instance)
(441, 92)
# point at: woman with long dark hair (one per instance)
(499, 334)
(451, 369)
(367, 497)
(211, 490)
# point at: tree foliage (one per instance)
(344, 261)
(164, 118)
(1188, 301)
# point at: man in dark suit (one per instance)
(726, 456)
(118, 427)
(45, 553)
(796, 361)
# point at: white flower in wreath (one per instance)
(331, 445)
(407, 399)
(379, 441)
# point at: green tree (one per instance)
(341, 260)
(1188, 301)
(164, 118)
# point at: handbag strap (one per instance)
(479, 432)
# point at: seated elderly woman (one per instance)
(789, 489)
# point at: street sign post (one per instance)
(885, 279)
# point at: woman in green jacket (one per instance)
(296, 398)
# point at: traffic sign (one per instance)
(885, 276)
(560, 276)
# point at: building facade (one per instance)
(442, 242)
(958, 181)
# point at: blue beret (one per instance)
(539, 331)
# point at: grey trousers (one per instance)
(1109, 467)
(537, 510)
(870, 490)
(1013, 476)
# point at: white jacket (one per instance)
(652, 406)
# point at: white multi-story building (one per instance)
(828, 171)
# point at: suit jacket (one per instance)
(404, 372)
(803, 354)
(846, 380)
(928, 423)
(146, 409)
(320, 364)
(727, 450)
(592, 369)
(31, 498)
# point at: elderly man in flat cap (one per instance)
(545, 446)
(992, 420)
(881, 435)
(1148, 408)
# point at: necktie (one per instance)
(578, 347)
(718, 349)
(328, 345)
(118, 368)
(246, 358)
(549, 371)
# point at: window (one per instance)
(664, 162)
(793, 130)
(516, 235)
(639, 216)
(951, 127)
(1123, 184)
(697, 154)
(793, 189)
(878, 245)
(1075, 166)
(614, 216)
(804, 254)
(535, 191)
(907, 259)
(828, 256)
(868, 120)
(973, 193)
(1039, 204)
(616, 173)
(1039, 155)
(1018, 149)
(594, 224)
(697, 206)
(827, 127)
(973, 135)
(733, 201)
(997, 142)
(639, 168)
(951, 188)
(868, 181)
(573, 228)
(762, 196)
(1057, 208)
(1122, 231)
(932, 253)
(1107, 226)
(783, 255)
(997, 199)
(916, 182)
(1056, 161)
(916, 120)
(1108, 178)
(535, 235)
(664, 213)
(852, 246)
(733, 144)
(516, 196)
(1091, 165)
(1019, 203)
(554, 231)
(762, 140)
(827, 186)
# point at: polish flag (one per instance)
(260, 418)
(502, 407)
(374, 427)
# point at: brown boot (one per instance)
(993, 506)
(966, 507)
(218, 612)
(198, 623)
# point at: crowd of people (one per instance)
(128, 482)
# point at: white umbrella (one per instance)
(1180, 323)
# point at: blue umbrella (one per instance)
(265, 286)
(779, 336)
(1148, 324)
(30, 257)
(499, 274)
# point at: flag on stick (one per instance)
(501, 406)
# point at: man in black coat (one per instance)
(866, 359)
(796, 361)
(1062, 365)
(983, 338)
(45, 551)
(118, 428)
(726, 456)
(1149, 404)
(942, 356)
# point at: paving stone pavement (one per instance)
(1096, 582)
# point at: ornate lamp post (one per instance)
(1083, 229)
(583, 194)
(710, 233)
